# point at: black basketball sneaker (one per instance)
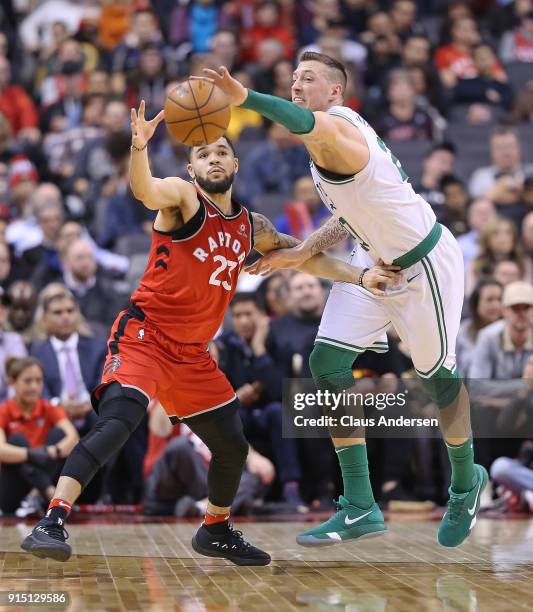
(48, 540)
(227, 543)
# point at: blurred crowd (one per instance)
(448, 86)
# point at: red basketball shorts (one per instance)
(183, 377)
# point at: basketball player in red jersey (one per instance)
(158, 346)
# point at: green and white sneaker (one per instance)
(462, 511)
(348, 523)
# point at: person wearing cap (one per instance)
(11, 343)
(503, 348)
(498, 368)
(22, 181)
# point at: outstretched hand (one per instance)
(141, 129)
(235, 91)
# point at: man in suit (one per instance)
(72, 362)
(98, 302)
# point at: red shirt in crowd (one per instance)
(34, 426)
(459, 62)
(18, 108)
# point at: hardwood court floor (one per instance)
(150, 566)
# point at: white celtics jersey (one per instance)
(378, 205)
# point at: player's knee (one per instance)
(331, 367)
(443, 387)
(120, 412)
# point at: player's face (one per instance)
(312, 87)
(29, 385)
(214, 166)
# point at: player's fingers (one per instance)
(159, 117)
(133, 115)
(212, 74)
(142, 106)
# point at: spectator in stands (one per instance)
(304, 213)
(267, 25)
(225, 49)
(36, 29)
(380, 26)
(502, 180)
(290, 343)
(402, 120)
(282, 72)
(480, 214)
(25, 233)
(144, 29)
(94, 163)
(176, 466)
(438, 162)
(508, 271)
(62, 148)
(17, 106)
(498, 364)
(272, 295)
(22, 181)
(523, 107)
(497, 242)
(72, 361)
(322, 11)
(485, 307)
(489, 87)
(11, 343)
(504, 347)
(453, 213)
(517, 45)
(454, 61)
(35, 437)
(274, 165)
(98, 302)
(43, 261)
(403, 15)
(148, 81)
(22, 305)
(257, 381)
(416, 59)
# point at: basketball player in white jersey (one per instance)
(370, 198)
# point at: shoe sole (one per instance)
(43, 551)
(311, 541)
(237, 560)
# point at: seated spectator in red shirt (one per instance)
(403, 119)
(517, 46)
(489, 87)
(268, 24)
(35, 437)
(455, 61)
(17, 106)
(176, 466)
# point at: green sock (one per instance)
(355, 475)
(462, 460)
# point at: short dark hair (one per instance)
(231, 146)
(446, 145)
(333, 64)
(245, 296)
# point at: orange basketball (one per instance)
(197, 112)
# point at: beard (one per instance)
(220, 186)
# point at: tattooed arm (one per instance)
(293, 253)
(288, 252)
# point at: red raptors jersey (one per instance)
(192, 272)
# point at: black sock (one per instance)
(219, 528)
(57, 514)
